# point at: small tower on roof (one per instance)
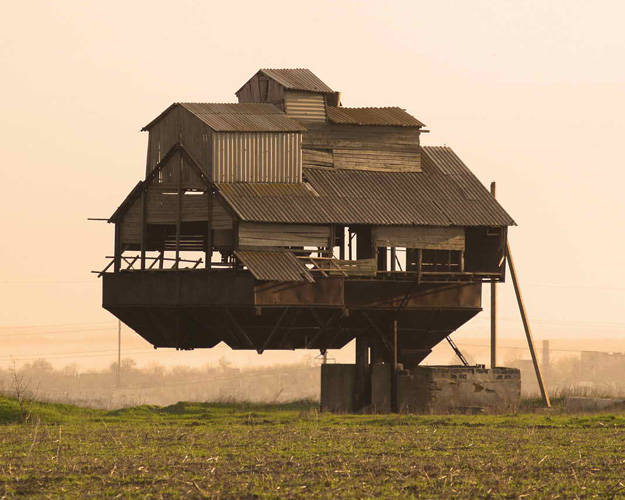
(297, 92)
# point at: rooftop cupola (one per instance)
(298, 92)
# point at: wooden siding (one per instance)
(366, 159)
(130, 225)
(317, 157)
(283, 235)
(221, 217)
(262, 89)
(179, 125)
(362, 137)
(306, 106)
(427, 238)
(257, 157)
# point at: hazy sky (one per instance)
(528, 93)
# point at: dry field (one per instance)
(292, 451)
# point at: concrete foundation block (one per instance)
(458, 389)
(589, 404)
(338, 385)
(381, 376)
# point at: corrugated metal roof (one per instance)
(393, 116)
(298, 79)
(274, 265)
(445, 193)
(238, 117)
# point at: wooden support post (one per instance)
(394, 401)
(350, 235)
(208, 251)
(419, 264)
(393, 259)
(143, 235)
(119, 352)
(493, 310)
(179, 212)
(526, 326)
(117, 251)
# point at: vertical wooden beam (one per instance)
(393, 259)
(419, 264)
(119, 352)
(394, 401)
(179, 212)
(143, 235)
(493, 308)
(208, 251)
(526, 326)
(117, 250)
(350, 236)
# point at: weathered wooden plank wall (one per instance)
(362, 137)
(180, 125)
(268, 235)
(427, 238)
(262, 89)
(367, 159)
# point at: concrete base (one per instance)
(458, 389)
(338, 386)
(587, 404)
(424, 389)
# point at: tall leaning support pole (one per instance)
(493, 309)
(526, 326)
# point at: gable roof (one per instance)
(392, 116)
(445, 193)
(237, 117)
(295, 79)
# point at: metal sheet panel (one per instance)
(297, 79)
(236, 117)
(305, 106)
(274, 265)
(445, 193)
(257, 157)
(392, 116)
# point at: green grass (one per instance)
(248, 451)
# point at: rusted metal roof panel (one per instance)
(393, 116)
(238, 117)
(274, 265)
(298, 79)
(445, 193)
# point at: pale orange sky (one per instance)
(528, 93)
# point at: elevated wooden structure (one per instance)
(288, 221)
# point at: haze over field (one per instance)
(530, 94)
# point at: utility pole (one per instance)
(119, 352)
(493, 309)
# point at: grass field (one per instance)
(249, 451)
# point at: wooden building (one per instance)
(288, 221)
